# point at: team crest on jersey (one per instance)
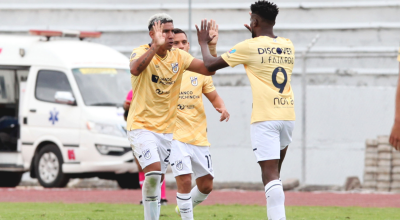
(146, 154)
(194, 81)
(175, 67)
(179, 165)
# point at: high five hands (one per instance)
(158, 36)
(206, 28)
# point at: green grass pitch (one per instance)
(214, 212)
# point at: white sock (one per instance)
(185, 205)
(275, 200)
(159, 199)
(150, 196)
(197, 196)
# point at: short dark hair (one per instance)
(265, 9)
(178, 31)
(162, 17)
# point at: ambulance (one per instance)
(61, 112)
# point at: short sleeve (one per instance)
(138, 52)
(208, 85)
(186, 59)
(398, 57)
(129, 96)
(239, 54)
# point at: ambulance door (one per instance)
(49, 117)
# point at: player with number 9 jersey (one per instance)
(269, 64)
(268, 61)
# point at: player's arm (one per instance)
(218, 104)
(395, 135)
(198, 66)
(126, 105)
(138, 65)
(211, 63)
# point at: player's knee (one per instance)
(206, 189)
(206, 185)
(184, 181)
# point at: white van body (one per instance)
(84, 120)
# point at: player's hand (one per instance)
(224, 114)
(213, 32)
(395, 136)
(203, 34)
(246, 25)
(158, 36)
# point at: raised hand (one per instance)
(213, 32)
(158, 36)
(203, 34)
(246, 25)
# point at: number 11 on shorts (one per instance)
(209, 162)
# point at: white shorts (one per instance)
(150, 147)
(268, 138)
(187, 158)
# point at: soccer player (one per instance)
(190, 147)
(268, 61)
(156, 71)
(126, 106)
(395, 134)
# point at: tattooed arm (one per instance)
(138, 65)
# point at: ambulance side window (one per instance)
(48, 82)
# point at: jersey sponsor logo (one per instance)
(188, 95)
(175, 67)
(154, 78)
(179, 165)
(193, 80)
(275, 50)
(164, 81)
(232, 51)
(146, 154)
(133, 55)
(279, 101)
(160, 92)
(182, 107)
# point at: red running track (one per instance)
(216, 197)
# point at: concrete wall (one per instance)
(352, 71)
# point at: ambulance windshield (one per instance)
(103, 86)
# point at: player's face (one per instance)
(181, 42)
(169, 35)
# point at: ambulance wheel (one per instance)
(48, 167)
(10, 179)
(128, 180)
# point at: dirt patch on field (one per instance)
(38, 194)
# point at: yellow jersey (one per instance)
(269, 64)
(191, 123)
(156, 91)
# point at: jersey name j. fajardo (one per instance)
(191, 122)
(269, 64)
(156, 91)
